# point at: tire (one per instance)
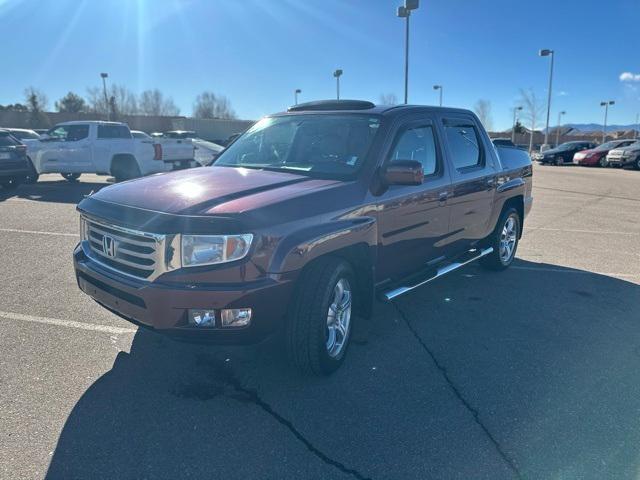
(499, 259)
(10, 184)
(125, 169)
(317, 300)
(71, 177)
(637, 164)
(603, 162)
(557, 161)
(33, 174)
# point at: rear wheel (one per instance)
(504, 241)
(125, 168)
(71, 177)
(319, 322)
(10, 183)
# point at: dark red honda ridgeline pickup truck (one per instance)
(302, 222)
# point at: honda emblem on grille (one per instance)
(109, 246)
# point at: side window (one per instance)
(417, 144)
(113, 131)
(69, 133)
(464, 145)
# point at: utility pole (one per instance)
(546, 53)
(337, 74)
(439, 87)
(558, 129)
(405, 12)
(605, 104)
(106, 98)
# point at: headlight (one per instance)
(213, 249)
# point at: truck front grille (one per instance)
(134, 253)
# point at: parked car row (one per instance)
(616, 153)
(103, 148)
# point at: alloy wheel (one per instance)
(339, 318)
(508, 238)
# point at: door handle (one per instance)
(491, 182)
(443, 196)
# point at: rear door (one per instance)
(474, 168)
(414, 219)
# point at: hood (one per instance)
(208, 190)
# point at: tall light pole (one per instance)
(635, 132)
(548, 53)
(606, 111)
(337, 74)
(439, 87)
(106, 98)
(513, 128)
(558, 129)
(405, 12)
(295, 95)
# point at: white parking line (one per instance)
(66, 323)
(569, 230)
(579, 272)
(37, 232)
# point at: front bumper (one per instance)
(622, 161)
(163, 306)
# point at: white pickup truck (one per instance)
(105, 148)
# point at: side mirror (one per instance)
(403, 172)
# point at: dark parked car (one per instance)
(14, 165)
(503, 142)
(301, 222)
(562, 153)
(598, 156)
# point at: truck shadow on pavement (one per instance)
(57, 191)
(529, 373)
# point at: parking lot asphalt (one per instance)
(530, 373)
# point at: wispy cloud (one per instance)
(629, 77)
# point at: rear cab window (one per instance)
(113, 131)
(464, 143)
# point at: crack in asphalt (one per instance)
(458, 394)
(222, 378)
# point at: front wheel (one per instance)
(637, 164)
(319, 322)
(71, 177)
(504, 241)
(603, 162)
(557, 161)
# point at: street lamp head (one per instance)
(545, 52)
(104, 75)
(298, 90)
(611, 102)
(562, 112)
(411, 4)
(437, 87)
(403, 12)
(337, 73)
(519, 108)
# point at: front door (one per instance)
(414, 220)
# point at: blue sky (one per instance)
(256, 52)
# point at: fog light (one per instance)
(202, 318)
(237, 317)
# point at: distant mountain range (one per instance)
(597, 127)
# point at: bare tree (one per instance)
(153, 102)
(388, 99)
(532, 110)
(483, 111)
(210, 105)
(124, 101)
(36, 103)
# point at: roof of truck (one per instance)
(84, 122)
(362, 106)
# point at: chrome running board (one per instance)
(396, 292)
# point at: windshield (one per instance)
(323, 145)
(567, 146)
